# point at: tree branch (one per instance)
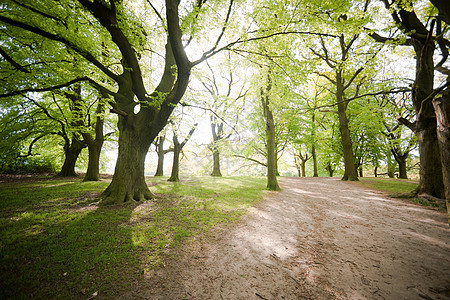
(9, 59)
(84, 53)
(251, 159)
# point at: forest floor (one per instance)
(319, 238)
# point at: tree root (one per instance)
(123, 196)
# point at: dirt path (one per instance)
(320, 238)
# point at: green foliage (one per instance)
(27, 165)
(56, 243)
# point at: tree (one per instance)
(71, 27)
(222, 105)
(417, 35)
(345, 67)
(177, 148)
(272, 183)
(159, 144)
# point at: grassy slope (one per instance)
(54, 243)
(389, 185)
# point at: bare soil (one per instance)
(319, 238)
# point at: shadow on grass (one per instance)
(54, 243)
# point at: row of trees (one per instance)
(305, 77)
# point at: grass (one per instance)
(389, 185)
(400, 188)
(56, 243)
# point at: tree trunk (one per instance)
(329, 169)
(272, 183)
(217, 131)
(303, 166)
(95, 145)
(347, 145)
(177, 147)
(442, 109)
(128, 183)
(360, 170)
(71, 152)
(314, 157)
(431, 180)
(375, 170)
(93, 170)
(174, 176)
(402, 166)
(216, 162)
(161, 153)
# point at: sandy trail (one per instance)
(319, 238)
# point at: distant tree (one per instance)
(177, 148)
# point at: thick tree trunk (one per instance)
(360, 171)
(347, 145)
(314, 157)
(71, 152)
(431, 180)
(128, 183)
(174, 176)
(93, 170)
(442, 109)
(402, 167)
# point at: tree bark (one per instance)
(216, 130)
(216, 163)
(431, 180)
(95, 146)
(442, 109)
(303, 167)
(360, 171)
(272, 183)
(314, 157)
(347, 145)
(330, 169)
(174, 176)
(177, 147)
(93, 170)
(72, 150)
(128, 183)
(160, 151)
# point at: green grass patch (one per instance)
(56, 243)
(390, 185)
